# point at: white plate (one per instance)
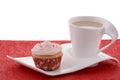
(68, 64)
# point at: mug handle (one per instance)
(110, 30)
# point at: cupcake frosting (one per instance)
(46, 48)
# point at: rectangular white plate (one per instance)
(68, 64)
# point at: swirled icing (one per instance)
(46, 48)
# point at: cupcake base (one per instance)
(48, 62)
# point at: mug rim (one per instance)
(88, 18)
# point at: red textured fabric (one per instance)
(10, 70)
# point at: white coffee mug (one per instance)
(86, 33)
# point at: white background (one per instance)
(48, 19)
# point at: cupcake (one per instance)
(47, 55)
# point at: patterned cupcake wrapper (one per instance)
(47, 64)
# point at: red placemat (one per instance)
(10, 70)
